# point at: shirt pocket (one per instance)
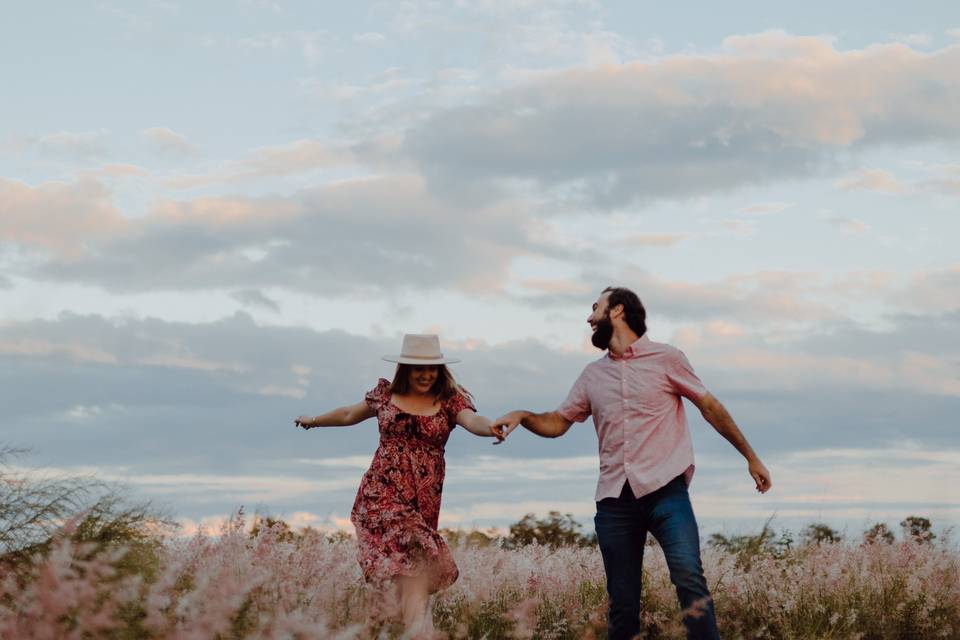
(649, 394)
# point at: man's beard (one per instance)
(603, 333)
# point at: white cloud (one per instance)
(167, 141)
(919, 40)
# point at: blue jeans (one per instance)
(622, 525)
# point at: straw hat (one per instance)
(421, 349)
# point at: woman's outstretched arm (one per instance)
(476, 424)
(340, 417)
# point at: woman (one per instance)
(398, 504)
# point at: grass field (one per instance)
(274, 584)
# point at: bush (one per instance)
(878, 534)
(748, 548)
(820, 533)
(554, 531)
(34, 508)
(918, 529)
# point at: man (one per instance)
(635, 394)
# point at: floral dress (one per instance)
(398, 504)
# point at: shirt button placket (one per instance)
(623, 412)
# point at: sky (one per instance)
(215, 217)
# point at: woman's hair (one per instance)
(633, 312)
(444, 388)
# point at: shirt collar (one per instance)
(635, 350)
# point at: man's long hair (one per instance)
(634, 313)
(443, 389)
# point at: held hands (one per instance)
(505, 424)
(304, 422)
(760, 475)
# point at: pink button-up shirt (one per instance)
(637, 407)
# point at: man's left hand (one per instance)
(760, 475)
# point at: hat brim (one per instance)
(424, 362)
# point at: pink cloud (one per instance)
(56, 216)
(876, 180)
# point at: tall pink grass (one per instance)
(274, 585)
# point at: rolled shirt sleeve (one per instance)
(683, 378)
(576, 408)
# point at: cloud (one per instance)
(665, 240)
(914, 39)
(255, 298)
(946, 180)
(220, 386)
(515, 33)
(838, 485)
(929, 291)
(72, 145)
(876, 180)
(369, 38)
(58, 217)
(167, 141)
(571, 288)
(382, 86)
(768, 296)
(766, 107)
(765, 208)
(314, 46)
(739, 227)
(849, 225)
(358, 235)
(73, 350)
(269, 162)
(146, 387)
(772, 300)
(915, 353)
(116, 170)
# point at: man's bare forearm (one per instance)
(547, 425)
(720, 419)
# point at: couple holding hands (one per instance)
(634, 393)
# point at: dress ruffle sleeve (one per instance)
(376, 397)
(458, 403)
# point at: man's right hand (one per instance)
(505, 424)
